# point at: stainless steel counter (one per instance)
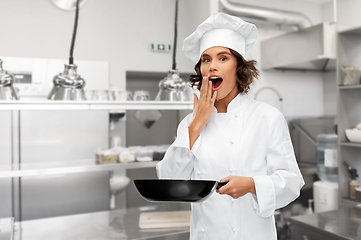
(337, 224)
(118, 224)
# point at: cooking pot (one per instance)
(171, 190)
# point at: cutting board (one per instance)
(172, 219)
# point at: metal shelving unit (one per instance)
(46, 168)
(78, 166)
(349, 114)
(94, 105)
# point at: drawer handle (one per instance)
(305, 237)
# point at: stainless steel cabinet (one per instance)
(303, 233)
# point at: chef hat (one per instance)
(221, 30)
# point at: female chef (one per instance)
(232, 138)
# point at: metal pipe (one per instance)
(296, 19)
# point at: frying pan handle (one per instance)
(220, 184)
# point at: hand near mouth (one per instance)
(202, 110)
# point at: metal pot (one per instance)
(166, 190)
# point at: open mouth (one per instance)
(216, 83)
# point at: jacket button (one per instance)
(231, 141)
(202, 230)
(230, 170)
(199, 173)
(236, 115)
(234, 229)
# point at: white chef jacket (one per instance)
(251, 140)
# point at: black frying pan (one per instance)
(166, 190)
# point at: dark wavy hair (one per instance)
(246, 73)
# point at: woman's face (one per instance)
(220, 66)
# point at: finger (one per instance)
(203, 88)
(214, 97)
(226, 179)
(209, 90)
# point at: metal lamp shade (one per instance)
(68, 85)
(7, 91)
(172, 88)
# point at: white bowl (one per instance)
(353, 135)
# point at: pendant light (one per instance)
(68, 5)
(172, 87)
(7, 91)
(68, 85)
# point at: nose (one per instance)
(212, 66)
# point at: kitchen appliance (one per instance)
(166, 190)
(7, 91)
(172, 87)
(69, 85)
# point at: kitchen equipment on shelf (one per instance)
(7, 91)
(69, 85)
(354, 134)
(171, 190)
(141, 95)
(351, 75)
(172, 87)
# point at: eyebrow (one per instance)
(220, 53)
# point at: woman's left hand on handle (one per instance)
(237, 186)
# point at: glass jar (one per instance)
(141, 95)
(327, 167)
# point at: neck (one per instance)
(222, 104)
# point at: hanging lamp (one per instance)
(68, 85)
(7, 91)
(172, 87)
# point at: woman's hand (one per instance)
(202, 110)
(237, 186)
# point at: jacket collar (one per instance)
(239, 102)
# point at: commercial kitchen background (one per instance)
(120, 33)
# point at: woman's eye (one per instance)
(223, 58)
(205, 60)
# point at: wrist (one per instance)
(194, 129)
(252, 187)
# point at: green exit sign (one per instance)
(161, 47)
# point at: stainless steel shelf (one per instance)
(350, 30)
(94, 105)
(350, 144)
(350, 87)
(78, 166)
